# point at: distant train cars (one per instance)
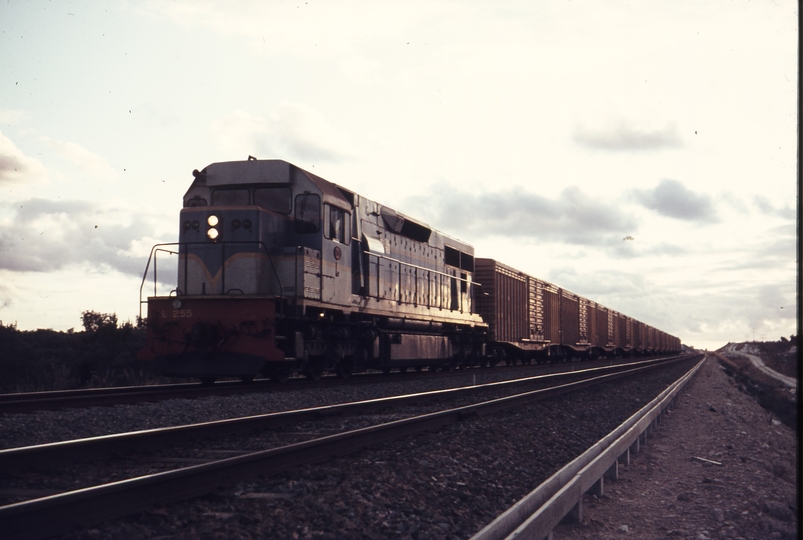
(282, 272)
(529, 318)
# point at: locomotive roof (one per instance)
(267, 171)
(278, 171)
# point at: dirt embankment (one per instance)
(719, 467)
(769, 391)
(781, 356)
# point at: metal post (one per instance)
(223, 269)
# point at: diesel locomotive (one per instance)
(280, 272)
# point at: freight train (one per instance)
(281, 272)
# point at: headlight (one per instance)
(212, 221)
(212, 234)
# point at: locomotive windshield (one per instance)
(308, 213)
(230, 197)
(277, 199)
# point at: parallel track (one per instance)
(46, 516)
(98, 397)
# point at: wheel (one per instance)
(403, 369)
(247, 378)
(280, 376)
(208, 381)
(343, 372)
(315, 368)
(314, 374)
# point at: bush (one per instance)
(104, 354)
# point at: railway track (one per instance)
(39, 518)
(97, 397)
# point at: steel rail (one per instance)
(50, 455)
(535, 515)
(47, 516)
(89, 397)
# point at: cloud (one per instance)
(6, 298)
(735, 202)
(624, 137)
(290, 131)
(672, 199)
(16, 166)
(631, 293)
(632, 248)
(768, 303)
(764, 205)
(573, 217)
(46, 236)
(89, 162)
(12, 117)
(599, 285)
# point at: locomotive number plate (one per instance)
(177, 314)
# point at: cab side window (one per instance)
(337, 224)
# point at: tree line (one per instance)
(104, 354)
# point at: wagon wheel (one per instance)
(343, 369)
(314, 374)
(314, 370)
(280, 376)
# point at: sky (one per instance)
(640, 154)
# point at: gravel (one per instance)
(41, 427)
(439, 485)
(668, 493)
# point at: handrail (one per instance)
(537, 513)
(158, 248)
(469, 283)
